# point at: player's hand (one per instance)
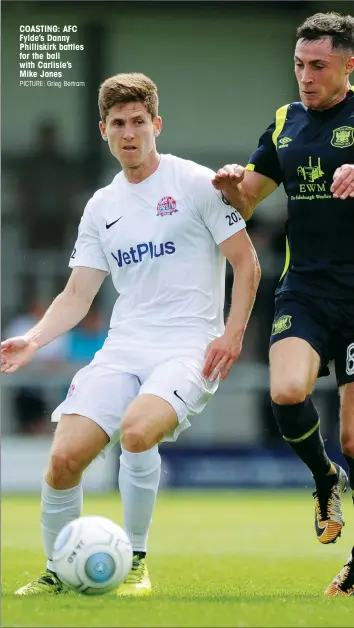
(220, 355)
(230, 176)
(343, 182)
(16, 352)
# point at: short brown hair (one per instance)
(340, 28)
(124, 88)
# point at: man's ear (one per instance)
(102, 126)
(157, 126)
(349, 66)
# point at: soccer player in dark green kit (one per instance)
(310, 149)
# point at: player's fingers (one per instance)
(230, 169)
(208, 358)
(337, 173)
(337, 179)
(345, 176)
(235, 173)
(345, 187)
(222, 173)
(9, 368)
(212, 360)
(217, 183)
(4, 361)
(227, 368)
(13, 343)
(342, 175)
(6, 344)
(218, 368)
(210, 365)
(238, 172)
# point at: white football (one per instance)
(92, 555)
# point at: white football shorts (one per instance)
(102, 392)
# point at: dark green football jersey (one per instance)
(302, 149)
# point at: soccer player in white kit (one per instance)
(163, 232)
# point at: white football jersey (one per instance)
(159, 240)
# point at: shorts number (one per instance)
(72, 256)
(233, 218)
(350, 359)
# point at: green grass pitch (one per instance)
(215, 559)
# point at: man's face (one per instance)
(130, 133)
(321, 72)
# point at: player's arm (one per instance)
(223, 352)
(245, 188)
(69, 307)
(241, 254)
(227, 228)
(66, 311)
(90, 267)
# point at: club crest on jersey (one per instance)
(166, 206)
(282, 324)
(343, 137)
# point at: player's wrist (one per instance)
(32, 340)
(234, 334)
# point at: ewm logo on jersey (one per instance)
(313, 186)
(143, 250)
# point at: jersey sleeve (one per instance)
(88, 250)
(265, 160)
(220, 218)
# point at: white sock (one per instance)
(58, 507)
(139, 477)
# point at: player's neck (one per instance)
(145, 170)
(337, 99)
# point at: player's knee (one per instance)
(135, 438)
(63, 469)
(289, 393)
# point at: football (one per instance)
(92, 555)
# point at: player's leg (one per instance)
(343, 583)
(347, 427)
(77, 441)
(294, 367)
(173, 391)
(146, 421)
(88, 419)
(301, 346)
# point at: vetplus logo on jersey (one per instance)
(166, 206)
(144, 250)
